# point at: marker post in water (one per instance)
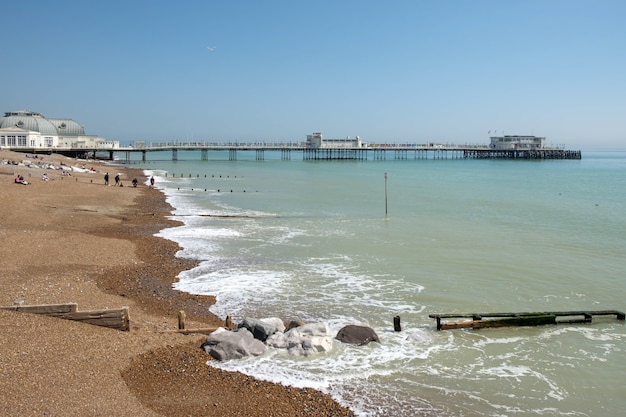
(385, 194)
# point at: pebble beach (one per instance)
(71, 238)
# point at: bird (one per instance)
(210, 48)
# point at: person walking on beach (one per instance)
(106, 179)
(151, 182)
(117, 180)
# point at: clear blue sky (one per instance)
(401, 71)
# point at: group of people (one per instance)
(118, 182)
(19, 179)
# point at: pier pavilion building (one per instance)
(317, 141)
(27, 129)
(517, 142)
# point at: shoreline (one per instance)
(72, 239)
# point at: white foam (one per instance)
(233, 289)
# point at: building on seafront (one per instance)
(515, 142)
(317, 141)
(30, 130)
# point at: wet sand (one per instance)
(73, 239)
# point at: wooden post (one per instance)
(396, 324)
(438, 322)
(181, 320)
(385, 194)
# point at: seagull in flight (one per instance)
(210, 48)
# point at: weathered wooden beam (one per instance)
(538, 320)
(620, 315)
(204, 330)
(112, 318)
(519, 319)
(451, 325)
(47, 309)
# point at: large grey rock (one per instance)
(276, 322)
(304, 340)
(295, 323)
(225, 345)
(357, 335)
(261, 329)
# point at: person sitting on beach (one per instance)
(20, 180)
(45, 177)
(135, 182)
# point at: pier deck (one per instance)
(287, 151)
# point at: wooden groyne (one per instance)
(114, 318)
(485, 320)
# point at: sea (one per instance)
(363, 241)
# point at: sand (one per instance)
(73, 239)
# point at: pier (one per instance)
(486, 320)
(289, 151)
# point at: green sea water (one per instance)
(336, 241)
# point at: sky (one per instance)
(415, 71)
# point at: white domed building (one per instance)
(27, 130)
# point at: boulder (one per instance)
(357, 335)
(313, 329)
(304, 340)
(225, 345)
(260, 329)
(312, 345)
(294, 324)
(276, 322)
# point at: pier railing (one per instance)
(289, 150)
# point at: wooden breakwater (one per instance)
(486, 320)
(113, 318)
